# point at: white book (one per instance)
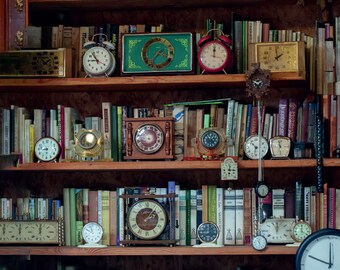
(239, 217)
(99, 214)
(178, 115)
(120, 216)
(193, 216)
(278, 202)
(182, 217)
(220, 214)
(37, 120)
(229, 216)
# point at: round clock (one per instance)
(261, 189)
(92, 234)
(47, 149)
(280, 147)
(88, 143)
(210, 139)
(259, 242)
(158, 53)
(277, 230)
(149, 138)
(252, 147)
(211, 142)
(99, 62)
(319, 251)
(215, 55)
(300, 230)
(147, 219)
(207, 233)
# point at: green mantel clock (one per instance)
(163, 53)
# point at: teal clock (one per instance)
(157, 53)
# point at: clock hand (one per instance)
(317, 259)
(331, 256)
(278, 56)
(98, 62)
(151, 215)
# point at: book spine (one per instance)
(73, 215)
(113, 218)
(299, 200)
(182, 217)
(220, 214)
(292, 119)
(199, 209)
(247, 216)
(307, 204)
(193, 216)
(106, 116)
(79, 215)
(172, 205)
(229, 216)
(282, 119)
(178, 115)
(239, 217)
(67, 224)
(278, 202)
(212, 212)
(106, 217)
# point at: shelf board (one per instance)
(156, 165)
(140, 83)
(144, 251)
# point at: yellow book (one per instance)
(106, 216)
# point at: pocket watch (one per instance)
(259, 242)
(278, 56)
(300, 230)
(211, 142)
(280, 147)
(147, 219)
(277, 230)
(92, 234)
(47, 149)
(261, 189)
(319, 251)
(252, 147)
(215, 55)
(207, 233)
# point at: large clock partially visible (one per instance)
(149, 138)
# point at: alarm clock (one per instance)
(253, 149)
(98, 60)
(207, 234)
(47, 149)
(92, 234)
(215, 55)
(280, 147)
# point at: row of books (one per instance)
(21, 128)
(233, 210)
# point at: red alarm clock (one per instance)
(215, 55)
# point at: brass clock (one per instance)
(88, 143)
(31, 232)
(278, 56)
(36, 63)
(149, 138)
(150, 53)
(158, 53)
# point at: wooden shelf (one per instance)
(157, 165)
(140, 83)
(144, 251)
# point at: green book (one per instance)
(73, 216)
(66, 197)
(212, 214)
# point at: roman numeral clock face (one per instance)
(146, 219)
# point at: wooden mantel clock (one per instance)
(149, 138)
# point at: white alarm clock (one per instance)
(98, 60)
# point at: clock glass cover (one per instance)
(252, 147)
(92, 233)
(210, 139)
(207, 232)
(300, 231)
(147, 219)
(47, 149)
(149, 138)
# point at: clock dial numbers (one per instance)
(158, 53)
(92, 233)
(259, 242)
(207, 232)
(147, 219)
(149, 138)
(280, 147)
(47, 149)
(277, 230)
(210, 139)
(213, 56)
(97, 60)
(252, 147)
(300, 231)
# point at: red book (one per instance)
(292, 119)
(93, 206)
(283, 115)
(253, 121)
(332, 208)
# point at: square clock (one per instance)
(157, 53)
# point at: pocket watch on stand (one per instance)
(98, 60)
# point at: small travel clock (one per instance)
(47, 149)
(319, 251)
(207, 233)
(300, 231)
(280, 147)
(92, 234)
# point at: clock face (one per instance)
(319, 251)
(98, 61)
(149, 138)
(47, 149)
(258, 83)
(255, 147)
(147, 219)
(207, 232)
(300, 231)
(280, 147)
(45, 63)
(277, 230)
(210, 139)
(261, 189)
(278, 57)
(92, 233)
(214, 57)
(259, 242)
(158, 53)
